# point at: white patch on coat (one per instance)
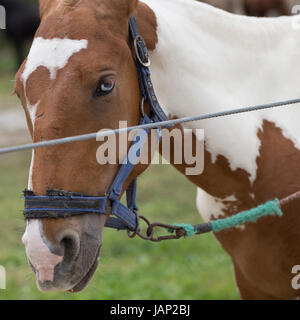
(211, 207)
(208, 60)
(38, 253)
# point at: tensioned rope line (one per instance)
(105, 133)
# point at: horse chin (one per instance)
(86, 279)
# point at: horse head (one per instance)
(79, 77)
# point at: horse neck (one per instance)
(208, 60)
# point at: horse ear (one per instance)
(118, 10)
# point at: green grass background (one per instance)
(194, 268)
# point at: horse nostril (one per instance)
(70, 244)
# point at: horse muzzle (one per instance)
(63, 253)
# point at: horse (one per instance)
(22, 22)
(263, 8)
(80, 76)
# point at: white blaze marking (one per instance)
(30, 187)
(32, 111)
(52, 54)
(38, 253)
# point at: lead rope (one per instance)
(177, 231)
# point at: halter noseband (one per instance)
(63, 204)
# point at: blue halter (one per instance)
(63, 204)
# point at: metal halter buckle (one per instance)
(139, 39)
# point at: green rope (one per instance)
(189, 229)
(271, 208)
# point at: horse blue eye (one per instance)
(105, 87)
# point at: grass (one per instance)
(195, 268)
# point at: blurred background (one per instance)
(195, 268)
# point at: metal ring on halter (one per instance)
(136, 232)
(135, 42)
(132, 234)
